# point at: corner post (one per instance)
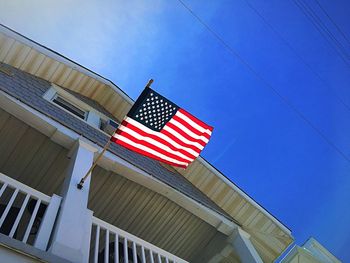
(71, 237)
(242, 245)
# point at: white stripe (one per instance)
(144, 148)
(154, 142)
(192, 123)
(189, 132)
(181, 138)
(162, 136)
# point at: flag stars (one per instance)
(156, 111)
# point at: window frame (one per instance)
(91, 114)
(86, 112)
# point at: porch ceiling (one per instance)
(30, 157)
(146, 214)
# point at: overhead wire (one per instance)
(298, 55)
(323, 30)
(285, 100)
(333, 22)
(323, 26)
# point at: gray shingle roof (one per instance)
(30, 90)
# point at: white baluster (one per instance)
(19, 216)
(8, 207)
(107, 247)
(97, 241)
(3, 188)
(134, 251)
(143, 254)
(31, 221)
(126, 256)
(116, 249)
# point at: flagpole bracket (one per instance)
(81, 183)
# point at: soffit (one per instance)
(30, 57)
(267, 235)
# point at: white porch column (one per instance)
(240, 240)
(71, 238)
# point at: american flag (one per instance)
(159, 129)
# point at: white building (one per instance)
(311, 252)
(54, 114)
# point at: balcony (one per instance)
(28, 216)
(111, 244)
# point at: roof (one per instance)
(30, 90)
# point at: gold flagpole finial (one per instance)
(149, 83)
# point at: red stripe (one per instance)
(178, 141)
(152, 146)
(194, 119)
(184, 134)
(191, 128)
(130, 147)
(160, 140)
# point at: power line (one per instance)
(296, 52)
(323, 30)
(319, 21)
(267, 84)
(333, 22)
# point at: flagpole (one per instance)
(81, 183)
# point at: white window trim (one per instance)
(92, 116)
(86, 112)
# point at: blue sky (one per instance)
(259, 142)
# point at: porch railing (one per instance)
(111, 244)
(25, 213)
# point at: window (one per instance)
(70, 107)
(80, 109)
